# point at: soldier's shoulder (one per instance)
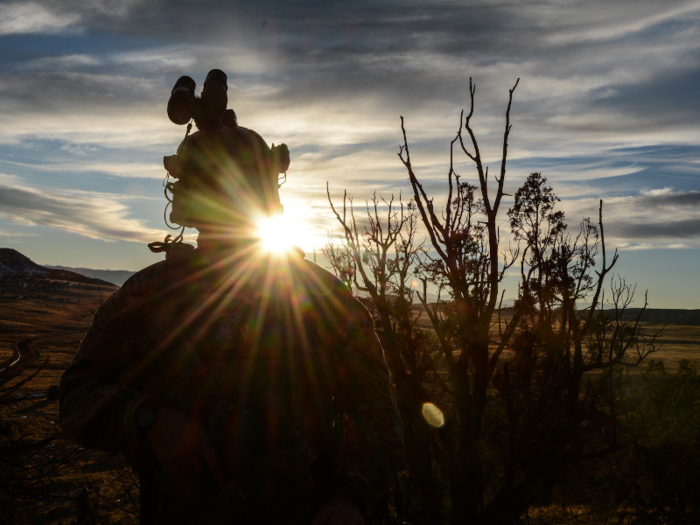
(136, 287)
(319, 281)
(328, 292)
(147, 284)
(145, 280)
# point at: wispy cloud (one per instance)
(17, 234)
(61, 63)
(650, 220)
(136, 170)
(98, 216)
(31, 17)
(606, 106)
(599, 25)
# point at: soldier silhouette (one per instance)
(244, 387)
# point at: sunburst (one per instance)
(279, 234)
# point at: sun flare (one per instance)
(281, 233)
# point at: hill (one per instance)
(15, 266)
(664, 316)
(118, 277)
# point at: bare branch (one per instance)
(499, 193)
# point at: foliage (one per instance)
(535, 398)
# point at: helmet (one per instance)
(226, 175)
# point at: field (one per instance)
(676, 342)
(55, 481)
(44, 478)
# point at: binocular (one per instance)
(207, 109)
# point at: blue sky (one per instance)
(608, 106)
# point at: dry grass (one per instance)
(72, 485)
(93, 487)
(676, 341)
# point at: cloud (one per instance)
(31, 17)
(152, 170)
(665, 199)
(59, 63)
(650, 220)
(331, 79)
(98, 216)
(600, 26)
(658, 192)
(50, 17)
(366, 62)
(16, 234)
(672, 229)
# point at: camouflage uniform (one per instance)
(275, 359)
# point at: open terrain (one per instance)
(675, 342)
(46, 479)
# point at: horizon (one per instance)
(607, 108)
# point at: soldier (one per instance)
(244, 387)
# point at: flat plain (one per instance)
(676, 342)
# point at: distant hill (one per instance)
(117, 277)
(16, 267)
(664, 316)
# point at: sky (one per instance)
(607, 107)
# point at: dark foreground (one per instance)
(47, 479)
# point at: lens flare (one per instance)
(275, 234)
(296, 227)
(279, 234)
(433, 415)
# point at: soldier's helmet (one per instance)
(225, 174)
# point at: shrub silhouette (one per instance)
(529, 394)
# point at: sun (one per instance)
(279, 234)
(274, 234)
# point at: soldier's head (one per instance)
(227, 177)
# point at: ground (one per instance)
(677, 341)
(46, 479)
